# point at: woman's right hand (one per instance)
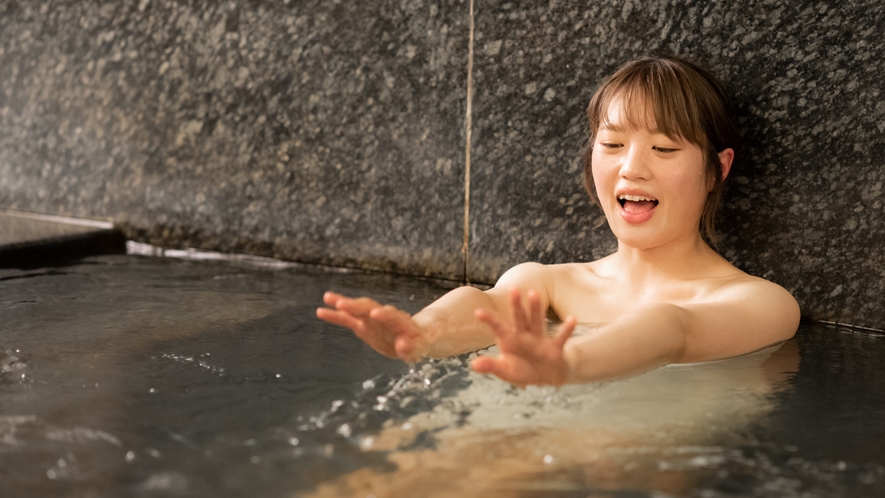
(387, 329)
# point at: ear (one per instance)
(725, 159)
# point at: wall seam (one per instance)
(468, 125)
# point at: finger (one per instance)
(519, 318)
(497, 367)
(360, 306)
(501, 330)
(535, 316)
(565, 331)
(489, 365)
(408, 339)
(396, 320)
(331, 298)
(339, 318)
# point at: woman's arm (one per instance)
(446, 327)
(745, 318)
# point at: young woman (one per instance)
(662, 143)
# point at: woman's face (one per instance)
(651, 187)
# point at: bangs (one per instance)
(674, 97)
(655, 98)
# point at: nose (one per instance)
(634, 165)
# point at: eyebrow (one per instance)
(612, 127)
(620, 128)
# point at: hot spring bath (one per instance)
(145, 376)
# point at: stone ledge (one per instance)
(30, 240)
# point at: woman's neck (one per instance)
(679, 260)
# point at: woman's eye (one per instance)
(665, 150)
(609, 145)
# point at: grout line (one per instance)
(848, 325)
(465, 248)
(106, 225)
(134, 248)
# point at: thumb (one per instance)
(488, 365)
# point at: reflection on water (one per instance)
(653, 431)
(130, 376)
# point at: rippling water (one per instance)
(131, 376)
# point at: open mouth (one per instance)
(637, 204)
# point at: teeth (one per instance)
(634, 198)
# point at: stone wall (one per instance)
(334, 132)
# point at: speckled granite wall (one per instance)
(323, 131)
(805, 207)
(333, 132)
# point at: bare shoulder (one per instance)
(757, 292)
(743, 314)
(524, 276)
(541, 278)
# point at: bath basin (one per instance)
(127, 375)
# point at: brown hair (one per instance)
(679, 99)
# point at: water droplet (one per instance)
(293, 441)
(344, 430)
(152, 390)
(278, 376)
(50, 474)
(62, 463)
(407, 426)
(367, 443)
(841, 465)
(369, 384)
(130, 456)
(548, 459)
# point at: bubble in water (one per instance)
(344, 430)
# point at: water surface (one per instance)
(140, 376)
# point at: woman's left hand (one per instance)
(527, 355)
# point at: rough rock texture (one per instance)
(333, 132)
(327, 132)
(806, 198)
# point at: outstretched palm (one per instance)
(387, 329)
(527, 356)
